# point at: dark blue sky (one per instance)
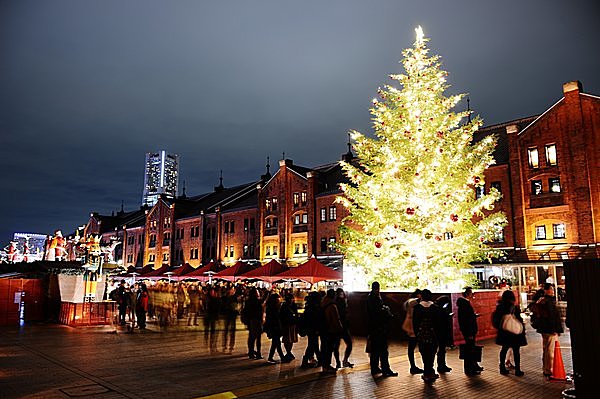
(87, 87)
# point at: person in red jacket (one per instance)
(141, 307)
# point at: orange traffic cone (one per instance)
(558, 368)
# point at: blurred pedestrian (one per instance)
(141, 307)
(342, 305)
(289, 318)
(252, 316)
(272, 327)
(445, 332)
(310, 323)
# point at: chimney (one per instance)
(572, 86)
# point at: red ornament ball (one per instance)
(454, 217)
(438, 238)
(440, 134)
(377, 244)
(476, 179)
(410, 211)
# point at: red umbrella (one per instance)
(157, 272)
(266, 272)
(312, 272)
(199, 273)
(185, 269)
(234, 272)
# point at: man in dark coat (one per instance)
(379, 317)
(467, 322)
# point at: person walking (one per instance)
(511, 331)
(379, 317)
(310, 324)
(141, 307)
(272, 327)
(426, 322)
(194, 295)
(549, 324)
(332, 328)
(467, 323)
(289, 319)
(407, 326)
(341, 302)
(252, 316)
(229, 308)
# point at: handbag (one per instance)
(511, 324)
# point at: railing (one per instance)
(87, 313)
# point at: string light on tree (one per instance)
(414, 218)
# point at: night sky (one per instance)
(88, 87)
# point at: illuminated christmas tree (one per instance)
(415, 219)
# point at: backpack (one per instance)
(426, 333)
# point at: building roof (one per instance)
(501, 150)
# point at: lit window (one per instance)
(226, 251)
(303, 198)
(231, 251)
(479, 191)
(551, 154)
(296, 198)
(304, 248)
(274, 249)
(165, 257)
(554, 184)
(296, 248)
(245, 250)
(559, 231)
(268, 205)
(151, 258)
(534, 161)
(296, 219)
(304, 218)
(274, 202)
(540, 232)
(331, 244)
(268, 223)
(323, 214)
(268, 250)
(332, 213)
(536, 187)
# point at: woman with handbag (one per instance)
(511, 331)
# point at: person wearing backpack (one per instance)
(426, 324)
(511, 331)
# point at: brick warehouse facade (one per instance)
(546, 168)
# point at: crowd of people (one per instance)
(324, 322)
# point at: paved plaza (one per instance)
(49, 361)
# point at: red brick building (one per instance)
(547, 169)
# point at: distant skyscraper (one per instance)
(160, 177)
